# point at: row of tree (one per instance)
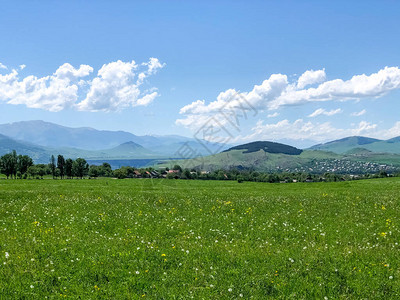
(22, 166)
(13, 165)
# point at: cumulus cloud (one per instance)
(359, 113)
(116, 87)
(274, 115)
(321, 111)
(358, 87)
(276, 92)
(311, 77)
(391, 132)
(3, 66)
(54, 92)
(233, 101)
(307, 130)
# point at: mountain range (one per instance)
(40, 140)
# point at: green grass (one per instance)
(173, 239)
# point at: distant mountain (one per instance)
(36, 152)
(130, 150)
(348, 144)
(389, 146)
(269, 147)
(394, 140)
(56, 136)
(345, 144)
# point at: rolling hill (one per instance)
(347, 144)
(254, 156)
(269, 147)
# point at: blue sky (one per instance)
(51, 54)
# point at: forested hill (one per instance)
(270, 147)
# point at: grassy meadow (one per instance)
(176, 239)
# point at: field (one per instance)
(176, 239)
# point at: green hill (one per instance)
(268, 147)
(389, 146)
(345, 144)
(247, 157)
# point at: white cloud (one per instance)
(274, 115)
(391, 132)
(231, 101)
(311, 77)
(321, 111)
(3, 66)
(360, 113)
(21, 67)
(116, 86)
(276, 92)
(358, 87)
(53, 93)
(307, 130)
(147, 99)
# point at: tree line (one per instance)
(22, 167)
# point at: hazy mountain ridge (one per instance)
(51, 139)
(347, 144)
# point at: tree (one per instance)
(80, 167)
(23, 163)
(8, 164)
(61, 165)
(32, 171)
(52, 166)
(68, 167)
(177, 168)
(240, 179)
(105, 170)
(41, 170)
(186, 174)
(121, 173)
(94, 171)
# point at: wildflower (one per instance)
(163, 254)
(7, 255)
(229, 290)
(137, 272)
(32, 286)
